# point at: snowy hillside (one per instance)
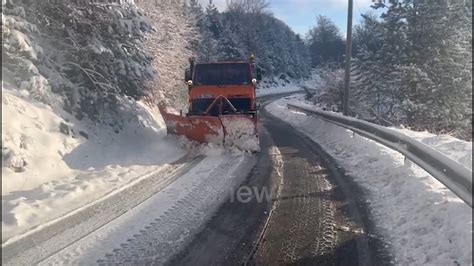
(54, 164)
(411, 65)
(282, 83)
(56, 161)
(249, 27)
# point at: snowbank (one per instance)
(453, 148)
(274, 86)
(422, 221)
(281, 85)
(53, 164)
(456, 149)
(32, 144)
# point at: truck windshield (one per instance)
(222, 74)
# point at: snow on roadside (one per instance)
(274, 86)
(455, 149)
(451, 147)
(422, 221)
(155, 230)
(63, 171)
(282, 85)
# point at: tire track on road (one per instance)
(63, 233)
(154, 230)
(304, 227)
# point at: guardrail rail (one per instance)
(449, 172)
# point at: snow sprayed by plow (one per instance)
(241, 132)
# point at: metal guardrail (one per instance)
(449, 172)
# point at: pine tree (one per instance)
(325, 42)
(93, 56)
(212, 22)
(420, 63)
(229, 45)
(210, 31)
(247, 28)
(21, 53)
(371, 96)
(196, 13)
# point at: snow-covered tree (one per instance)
(21, 52)
(90, 54)
(246, 27)
(325, 42)
(413, 66)
(371, 95)
(229, 44)
(174, 39)
(210, 32)
(433, 63)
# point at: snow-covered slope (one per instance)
(282, 84)
(421, 220)
(53, 163)
(274, 86)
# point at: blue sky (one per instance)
(301, 15)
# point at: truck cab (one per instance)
(222, 88)
(222, 105)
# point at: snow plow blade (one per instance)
(238, 131)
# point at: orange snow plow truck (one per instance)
(222, 105)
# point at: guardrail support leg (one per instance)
(406, 161)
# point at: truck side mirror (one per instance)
(259, 74)
(187, 75)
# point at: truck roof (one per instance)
(223, 62)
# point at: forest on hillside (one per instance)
(248, 27)
(86, 57)
(412, 66)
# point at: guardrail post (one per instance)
(406, 161)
